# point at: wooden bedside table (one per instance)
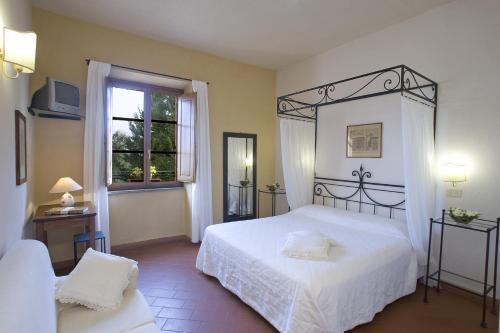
(45, 223)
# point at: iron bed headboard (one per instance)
(324, 189)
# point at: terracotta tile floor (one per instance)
(185, 300)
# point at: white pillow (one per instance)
(306, 244)
(97, 282)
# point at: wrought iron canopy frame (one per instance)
(303, 105)
(401, 79)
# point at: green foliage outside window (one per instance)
(129, 167)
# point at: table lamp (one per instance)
(66, 185)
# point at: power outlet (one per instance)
(454, 193)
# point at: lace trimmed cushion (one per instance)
(97, 282)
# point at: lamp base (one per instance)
(67, 200)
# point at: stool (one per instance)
(84, 237)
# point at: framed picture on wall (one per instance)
(364, 140)
(21, 161)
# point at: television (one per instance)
(57, 99)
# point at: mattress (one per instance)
(372, 265)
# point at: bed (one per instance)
(372, 265)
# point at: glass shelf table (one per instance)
(273, 200)
(486, 227)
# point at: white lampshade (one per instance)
(454, 173)
(65, 184)
(19, 48)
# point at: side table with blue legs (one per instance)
(84, 238)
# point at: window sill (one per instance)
(138, 190)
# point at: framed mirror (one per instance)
(239, 176)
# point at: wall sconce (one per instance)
(454, 173)
(19, 49)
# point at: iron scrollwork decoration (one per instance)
(305, 103)
(420, 86)
(323, 187)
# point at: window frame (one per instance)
(148, 90)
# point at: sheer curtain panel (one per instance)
(97, 129)
(297, 151)
(200, 192)
(418, 163)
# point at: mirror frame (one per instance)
(226, 136)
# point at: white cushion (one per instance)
(130, 288)
(27, 289)
(305, 244)
(133, 313)
(97, 282)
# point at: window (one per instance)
(144, 135)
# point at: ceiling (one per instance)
(266, 33)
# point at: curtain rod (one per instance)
(291, 117)
(148, 72)
(418, 101)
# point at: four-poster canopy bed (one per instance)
(374, 262)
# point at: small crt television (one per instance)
(57, 99)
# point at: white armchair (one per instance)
(27, 303)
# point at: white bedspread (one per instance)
(372, 266)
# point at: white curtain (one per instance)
(418, 159)
(94, 156)
(200, 192)
(297, 151)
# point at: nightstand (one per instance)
(45, 223)
(273, 195)
(486, 227)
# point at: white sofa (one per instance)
(27, 303)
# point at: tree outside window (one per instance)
(143, 158)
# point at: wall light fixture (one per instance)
(454, 173)
(19, 50)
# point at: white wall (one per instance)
(331, 160)
(15, 201)
(137, 216)
(456, 45)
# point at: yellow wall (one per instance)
(241, 99)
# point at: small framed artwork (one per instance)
(21, 161)
(364, 140)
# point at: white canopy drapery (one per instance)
(297, 151)
(417, 123)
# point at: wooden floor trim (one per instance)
(69, 264)
(149, 242)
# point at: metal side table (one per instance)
(486, 227)
(273, 200)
